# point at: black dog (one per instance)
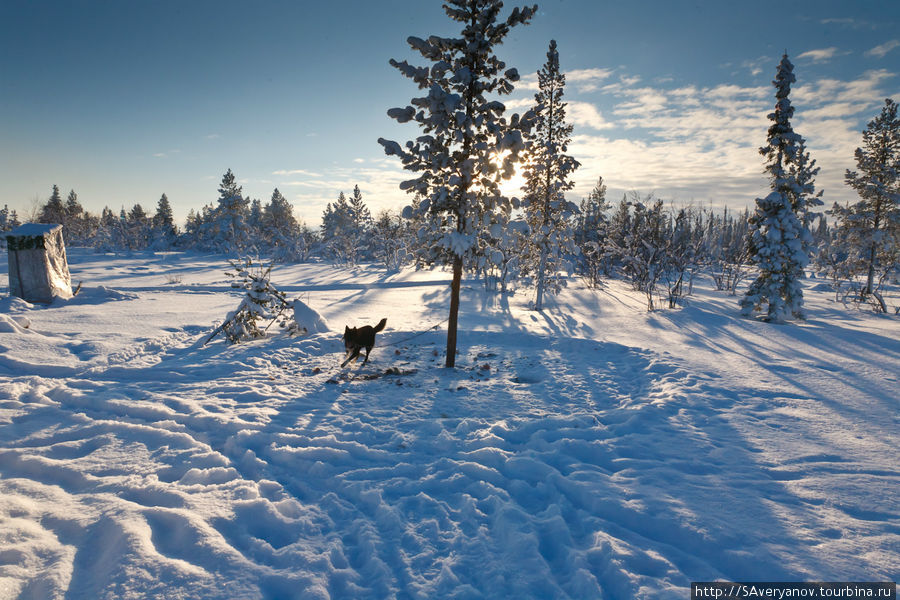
(358, 338)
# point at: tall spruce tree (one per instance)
(8, 220)
(359, 212)
(229, 231)
(278, 217)
(338, 231)
(780, 240)
(74, 220)
(164, 220)
(74, 210)
(872, 224)
(54, 211)
(139, 227)
(548, 171)
(281, 230)
(467, 147)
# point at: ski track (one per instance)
(558, 467)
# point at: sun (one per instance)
(512, 186)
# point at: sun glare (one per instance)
(512, 186)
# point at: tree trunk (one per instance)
(870, 279)
(539, 302)
(454, 312)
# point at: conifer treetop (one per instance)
(467, 146)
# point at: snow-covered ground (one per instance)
(593, 450)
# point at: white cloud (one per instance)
(518, 104)
(528, 83)
(315, 183)
(882, 49)
(757, 65)
(841, 21)
(820, 55)
(849, 22)
(701, 144)
(585, 114)
(584, 80)
(644, 103)
(284, 173)
(587, 80)
(861, 92)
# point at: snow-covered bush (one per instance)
(262, 305)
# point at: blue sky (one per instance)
(125, 100)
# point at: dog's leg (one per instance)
(368, 349)
(353, 356)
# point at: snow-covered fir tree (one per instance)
(123, 239)
(54, 211)
(163, 218)
(548, 171)
(8, 221)
(139, 228)
(359, 212)
(281, 232)
(591, 230)
(338, 226)
(278, 219)
(108, 233)
(255, 220)
(871, 225)
(163, 222)
(192, 226)
(592, 219)
(228, 231)
(467, 147)
(619, 228)
(804, 170)
(780, 241)
(262, 302)
(361, 223)
(390, 240)
(74, 221)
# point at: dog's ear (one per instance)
(346, 329)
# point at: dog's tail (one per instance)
(380, 325)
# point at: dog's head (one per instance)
(348, 333)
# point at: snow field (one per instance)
(590, 451)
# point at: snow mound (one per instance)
(11, 304)
(307, 318)
(10, 324)
(96, 295)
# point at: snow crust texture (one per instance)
(589, 451)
